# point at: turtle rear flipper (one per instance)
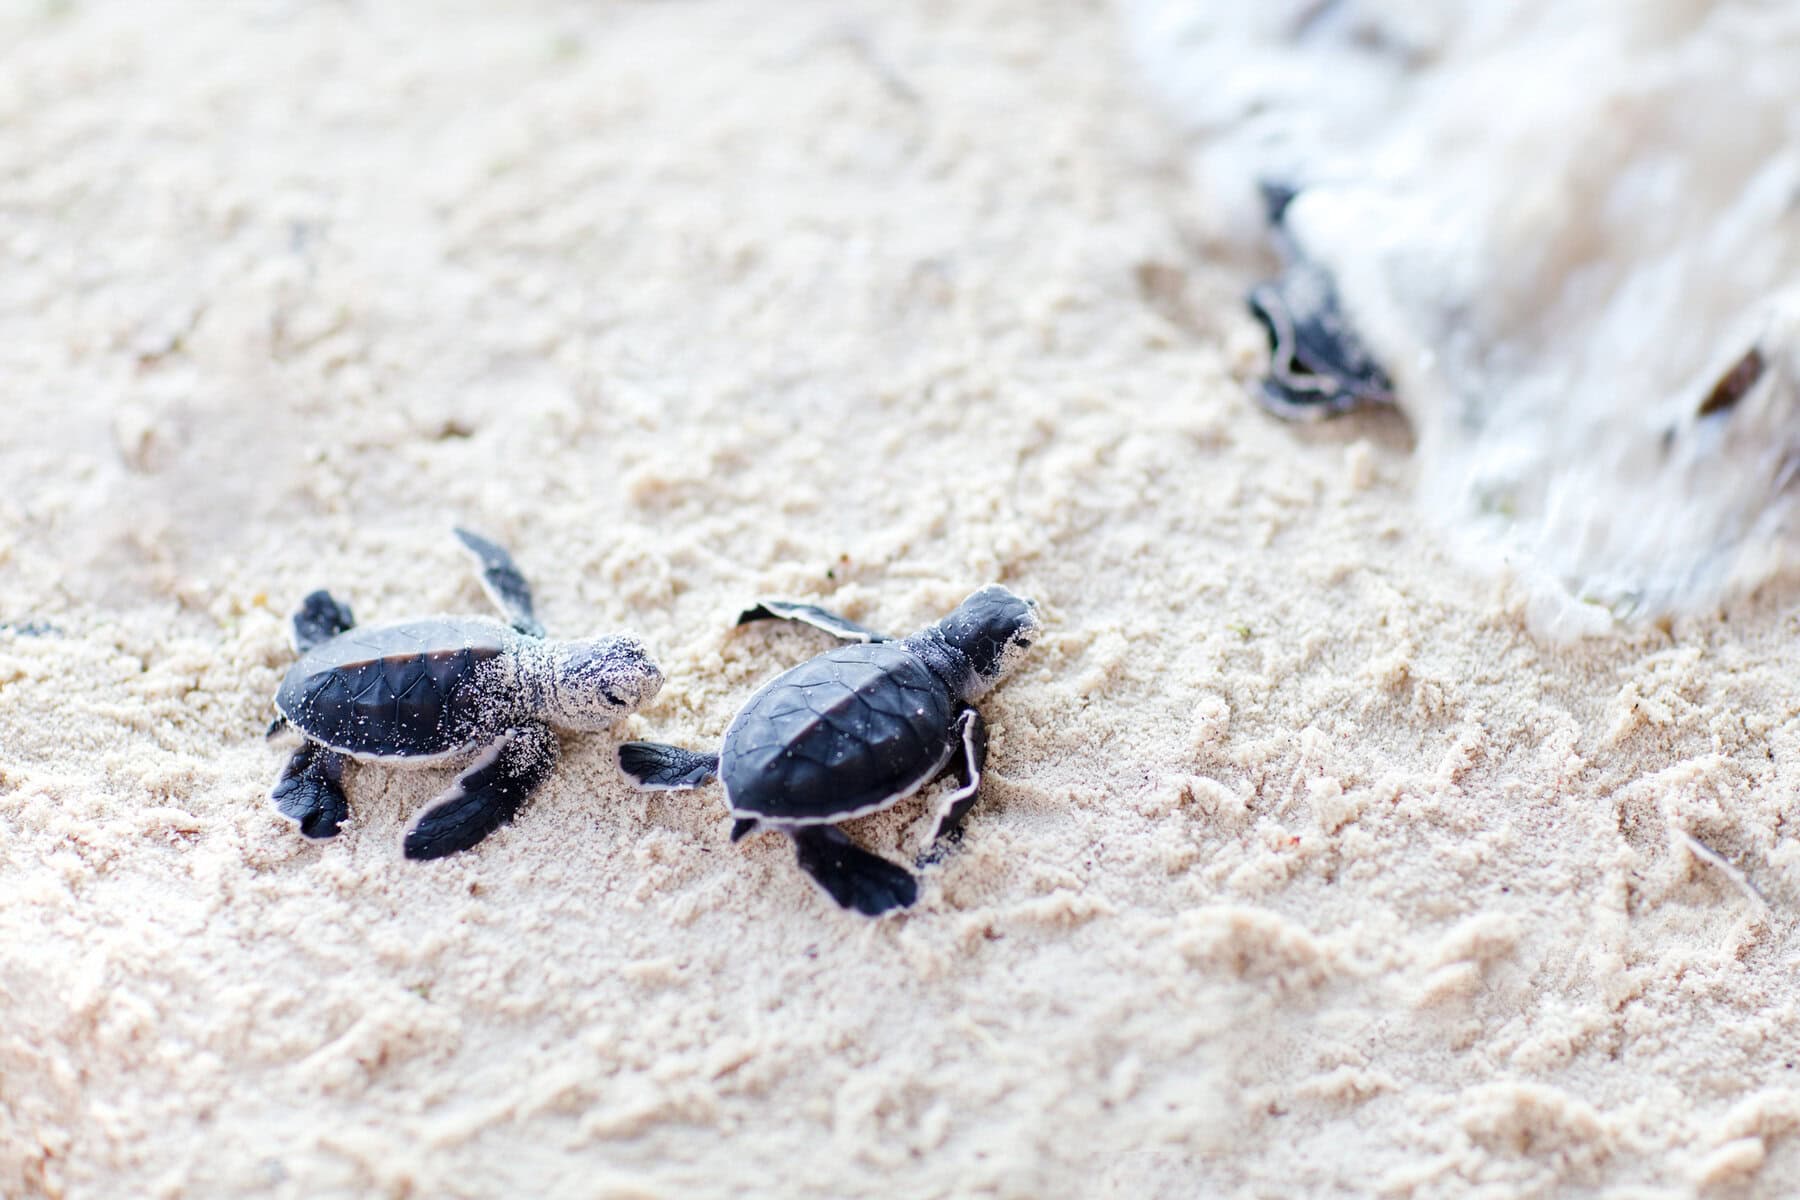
(655, 767)
(811, 614)
(320, 618)
(855, 878)
(504, 583)
(310, 790)
(487, 795)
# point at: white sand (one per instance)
(1302, 870)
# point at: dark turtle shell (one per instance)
(404, 690)
(847, 732)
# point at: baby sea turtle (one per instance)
(446, 689)
(853, 731)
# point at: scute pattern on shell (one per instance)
(393, 690)
(843, 732)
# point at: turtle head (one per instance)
(590, 684)
(992, 629)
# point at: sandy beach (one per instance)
(1302, 868)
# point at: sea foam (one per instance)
(1569, 231)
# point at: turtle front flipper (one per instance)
(1318, 365)
(310, 790)
(319, 619)
(856, 879)
(487, 795)
(968, 764)
(811, 614)
(656, 767)
(504, 583)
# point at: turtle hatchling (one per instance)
(853, 731)
(446, 690)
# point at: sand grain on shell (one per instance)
(1302, 869)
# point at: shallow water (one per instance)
(1569, 231)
